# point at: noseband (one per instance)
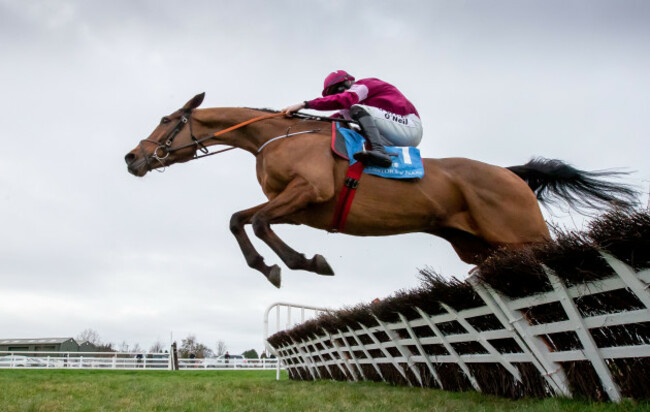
(163, 150)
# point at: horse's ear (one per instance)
(195, 101)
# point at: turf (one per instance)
(92, 390)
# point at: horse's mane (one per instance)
(306, 116)
(265, 109)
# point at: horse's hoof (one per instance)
(321, 266)
(274, 276)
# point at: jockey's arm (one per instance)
(334, 102)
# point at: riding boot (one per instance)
(377, 155)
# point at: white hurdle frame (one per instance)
(306, 354)
(288, 307)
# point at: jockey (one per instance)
(386, 117)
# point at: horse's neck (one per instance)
(250, 137)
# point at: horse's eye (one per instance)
(164, 120)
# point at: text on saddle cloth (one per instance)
(407, 164)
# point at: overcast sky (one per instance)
(84, 244)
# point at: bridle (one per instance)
(164, 147)
(163, 150)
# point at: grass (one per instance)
(92, 390)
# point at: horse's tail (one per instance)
(554, 180)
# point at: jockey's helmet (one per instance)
(335, 82)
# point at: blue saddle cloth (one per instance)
(406, 165)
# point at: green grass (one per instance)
(88, 390)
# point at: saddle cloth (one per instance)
(407, 164)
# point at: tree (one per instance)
(124, 347)
(105, 347)
(190, 345)
(250, 354)
(203, 351)
(89, 335)
(157, 347)
(221, 348)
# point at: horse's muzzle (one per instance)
(135, 166)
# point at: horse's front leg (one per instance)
(297, 195)
(253, 258)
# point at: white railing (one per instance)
(305, 312)
(83, 360)
(359, 352)
(124, 361)
(231, 364)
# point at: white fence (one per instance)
(124, 361)
(231, 364)
(405, 348)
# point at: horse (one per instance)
(477, 207)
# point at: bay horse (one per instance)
(475, 206)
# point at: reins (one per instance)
(165, 148)
(199, 142)
(306, 116)
(204, 149)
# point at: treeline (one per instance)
(189, 347)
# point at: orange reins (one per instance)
(166, 148)
(199, 142)
(247, 122)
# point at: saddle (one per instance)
(407, 162)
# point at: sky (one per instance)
(84, 244)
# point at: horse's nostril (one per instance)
(129, 158)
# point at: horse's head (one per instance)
(170, 142)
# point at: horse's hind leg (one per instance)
(297, 195)
(293, 259)
(253, 258)
(469, 248)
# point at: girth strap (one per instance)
(347, 196)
